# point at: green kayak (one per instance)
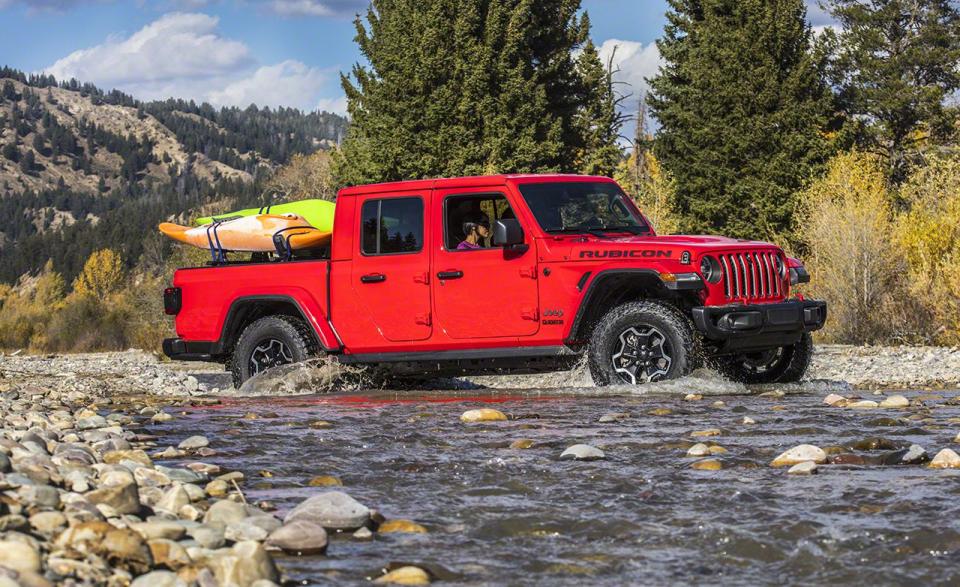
(319, 213)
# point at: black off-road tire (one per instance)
(787, 364)
(292, 333)
(653, 318)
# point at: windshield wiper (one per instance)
(632, 229)
(595, 231)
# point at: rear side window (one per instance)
(391, 225)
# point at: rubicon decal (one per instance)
(632, 253)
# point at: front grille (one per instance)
(750, 276)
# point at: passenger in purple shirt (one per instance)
(474, 231)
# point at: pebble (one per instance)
(692, 397)
(334, 510)
(799, 454)
(804, 468)
(698, 450)
(19, 556)
(945, 459)
(483, 415)
(865, 404)
(299, 537)
(613, 417)
(158, 579)
(324, 481)
(582, 452)
(363, 534)
(522, 443)
(707, 432)
(401, 527)
(194, 442)
(834, 399)
(707, 465)
(242, 564)
(408, 575)
(747, 420)
(895, 401)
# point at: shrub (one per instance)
(856, 264)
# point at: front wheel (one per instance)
(640, 342)
(786, 364)
(270, 342)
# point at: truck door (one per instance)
(390, 275)
(484, 292)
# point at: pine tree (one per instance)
(458, 87)
(896, 62)
(599, 118)
(741, 105)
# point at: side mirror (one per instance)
(507, 232)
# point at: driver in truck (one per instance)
(474, 231)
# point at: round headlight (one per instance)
(710, 269)
(780, 268)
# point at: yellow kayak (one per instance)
(251, 234)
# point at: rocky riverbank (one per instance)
(137, 372)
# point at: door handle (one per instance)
(454, 274)
(373, 278)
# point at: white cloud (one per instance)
(182, 55)
(632, 63)
(300, 8)
(283, 84)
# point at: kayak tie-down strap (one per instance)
(217, 252)
(283, 244)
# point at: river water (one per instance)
(499, 515)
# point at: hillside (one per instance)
(81, 168)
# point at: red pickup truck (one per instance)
(508, 273)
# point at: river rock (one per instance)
(895, 401)
(613, 417)
(194, 442)
(522, 444)
(158, 579)
(707, 465)
(401, 527)
(483, 415)
(48, 523)
(19, 556)
(159, 529)
(245, 530)
(914, 455)
(334, 510)
(864, 404)
(174, 498)
(324, 481)
(582, 452)
(834, 399)
(127, 549)
(211, 537)
(242, 565)
(799, 454)
(804, 468)
(169, 554)
(698, 450)
(225, 512)
(115, 457)
(121, 499)
(945, 459)
(747, 420)
(299, 537)
(707, 432)
(408, 575)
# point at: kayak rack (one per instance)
(217, 253)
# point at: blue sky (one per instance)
(233, 52)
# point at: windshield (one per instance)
(582, 207)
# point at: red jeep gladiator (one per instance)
(511, 273)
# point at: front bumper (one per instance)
(181, 350)
(765, 324)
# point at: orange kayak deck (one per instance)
(250, 233)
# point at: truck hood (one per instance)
(588, 247)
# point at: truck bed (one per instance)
(209, 292)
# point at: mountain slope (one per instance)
(75, 161)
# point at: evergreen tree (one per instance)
(741, 105)
(459, 87)
(895, 62)
(599, 118)
(27, 162)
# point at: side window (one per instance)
(392, 225)
(468, 220)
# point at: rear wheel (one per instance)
(640, 342)
(786, 364)
(270, 342)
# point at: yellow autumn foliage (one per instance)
(847, 222)
(652, 189)
(304, 177)
(102, 275)
(929, 232)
